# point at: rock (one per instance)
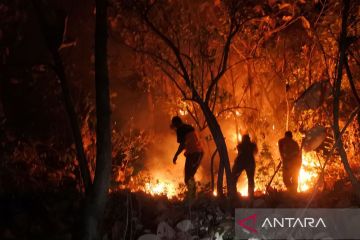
(148, 237)
(226, 224)
(165, 232)
(219, 214)
(219, 235)
(185, 225)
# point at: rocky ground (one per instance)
(140, 216)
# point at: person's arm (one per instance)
(180, 149)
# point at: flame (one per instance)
(183, 112)
(308, 172)
(236, 138)
(161, 188)
(239, 137)
(166, 181)
(243, 190)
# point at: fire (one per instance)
(183, 112)
(167, 182)
(237, 137)
(243, 190)
(308, 172)
(161, 188)
(158, 187)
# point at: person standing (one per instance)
(290, 153)
(188, 141)
(245, 160)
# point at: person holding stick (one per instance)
(290, 153)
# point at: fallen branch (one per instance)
(273, 176)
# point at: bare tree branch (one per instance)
(351, 80)
(171, 45)
(183, 92)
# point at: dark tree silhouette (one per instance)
(96, 199)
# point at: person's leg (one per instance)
(189, 180)
(187, 175)
(250, 173)
(286, 177)
(237, 169)
(193, 161)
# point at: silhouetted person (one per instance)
(290, 153)
(188, 141)
(245, 160)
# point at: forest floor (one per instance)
(128, 215)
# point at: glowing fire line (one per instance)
(161, 188)
(166, 187)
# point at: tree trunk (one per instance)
(96, 200)
(337, 90)
(76, 131)
(69, 106)
(212, 170)
(221, 147)
(220, 179)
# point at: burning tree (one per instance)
(192, 49)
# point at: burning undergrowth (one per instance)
(145, 165)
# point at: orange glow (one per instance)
(183, 112)
(308, 172)
(161, 188)
(167, 181)
(236, 138)
(242, 188)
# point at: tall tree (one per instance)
(96, 199)
(343, 44)
(192, 49)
